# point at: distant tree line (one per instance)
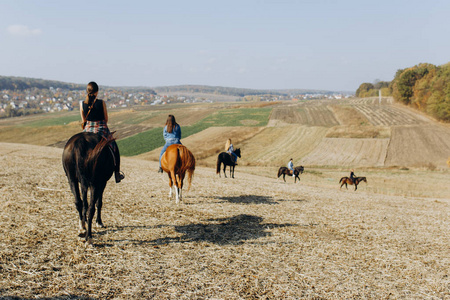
(23, 83)
(218, 90)
(372, 89)
(423, 86)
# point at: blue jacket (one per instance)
(174, 136)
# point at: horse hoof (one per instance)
(100, 225)
(81, 234)
(88, 243)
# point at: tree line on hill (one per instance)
(13, 83)
(425, 87)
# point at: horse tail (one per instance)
(187, 163)
(218, 165)
(341, 179)
(279, 172)
(95, 153)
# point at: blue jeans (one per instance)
(167, 144)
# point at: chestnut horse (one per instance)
(176, 161)
(285, 171)
(345, 180)
(225, 159)
(88, 160)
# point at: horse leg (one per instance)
(224, 170)
(284, 177)
(175, 185)
(90, 214)
(84, 191)
(74, 186)
(170, 187)
(98, 221)
(180, 185)
(233, 171)
(356, 186)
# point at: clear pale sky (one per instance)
(330, 45)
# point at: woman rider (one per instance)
(95, 116)
(171, 134)
(230, 150)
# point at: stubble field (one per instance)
(252, 237)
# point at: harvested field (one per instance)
(348, 152)
(419, 146)
(249, 238)
(390, 115)
(275, 145)
(315, 114)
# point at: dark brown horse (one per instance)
(356, 181)
(88, 160)
(225, 159)
(285, 171)
(177, 161)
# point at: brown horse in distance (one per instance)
(285, 171)
(347, 180)
(176, 162)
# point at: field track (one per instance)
(248, 238)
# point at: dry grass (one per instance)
(249, 238)
(359, 132)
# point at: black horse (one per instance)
(285, 171)
(225, 159)
(88, 160)
(348, 180)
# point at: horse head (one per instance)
(299, 169)
(238, 152)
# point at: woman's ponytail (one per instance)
(91, 89)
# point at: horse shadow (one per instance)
(248, 199)
(221, 231)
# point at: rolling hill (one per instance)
(322, 133)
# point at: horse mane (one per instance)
(188, 163)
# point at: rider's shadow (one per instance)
(223, 231)
(249, 199)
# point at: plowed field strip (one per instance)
(418, 146)
(389, 115)
(276, 145)
(317, 114)
(348, 152)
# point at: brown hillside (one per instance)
(248, 238)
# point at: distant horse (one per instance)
(176, 161)
(225, 159)
(356, 181)
(285, 171)
(88, 160)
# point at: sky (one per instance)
(257, 44)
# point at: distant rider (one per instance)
(352, 176)
(290, 166)
(230, 149)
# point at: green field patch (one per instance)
(151, 139)
(239, 117)
(57, 121)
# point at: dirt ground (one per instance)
(252, 237)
